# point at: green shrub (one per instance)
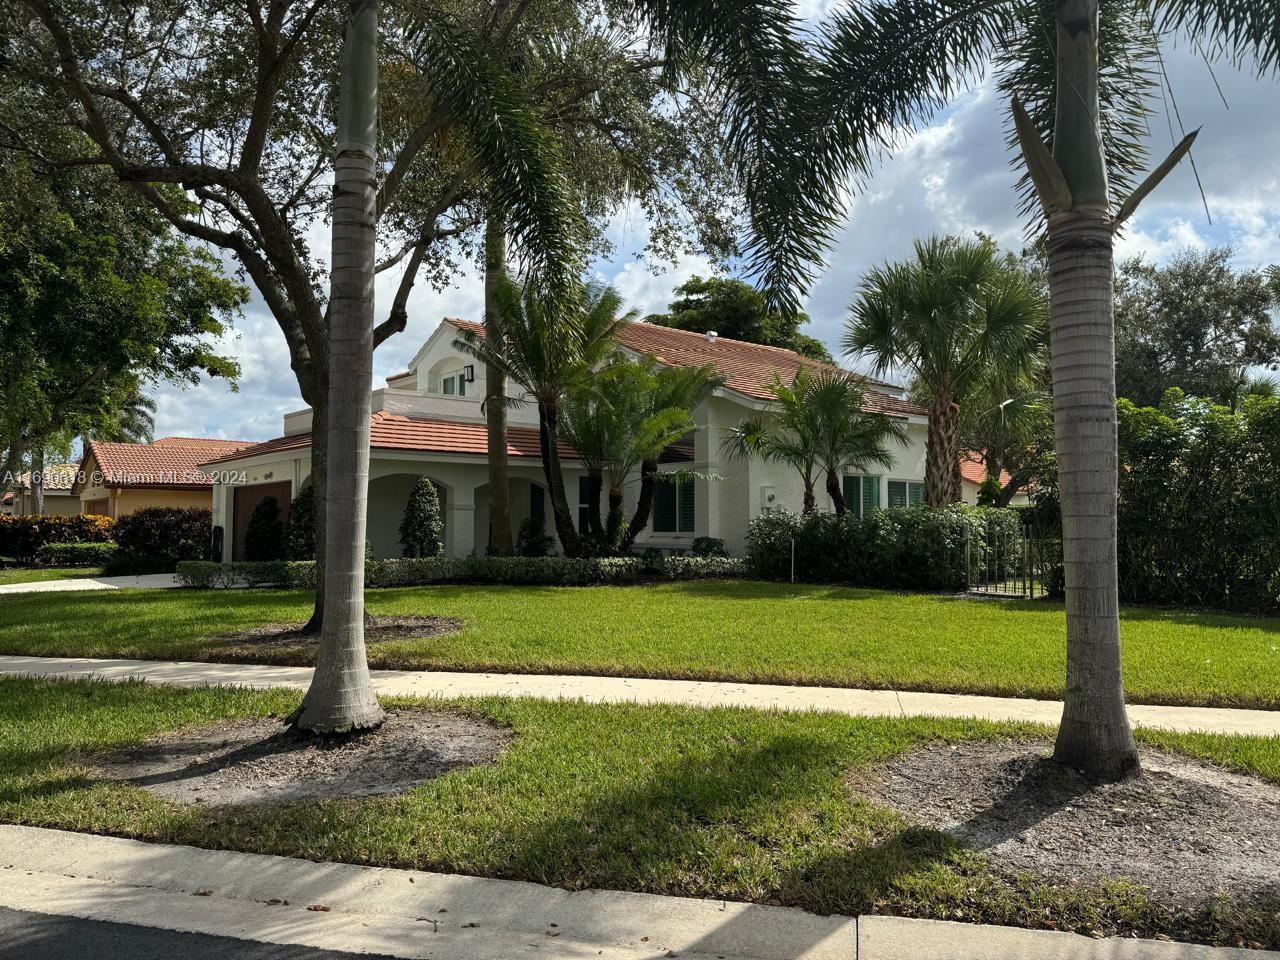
(21, 537)
(422, 529)
(708, 547)
(989, 492)
(532, 542)
(79, 554)
(209, 574)
(915, 548)
(420, 571)
(300, 529)
(1199, 504)
(155, 539)
(264, 534)
(702, 568)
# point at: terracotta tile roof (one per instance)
(170, 462)
(748, 368)
(973, 470)
(59, 478)
(390, 431)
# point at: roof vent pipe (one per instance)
(711, 336)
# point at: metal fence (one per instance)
(1008, 562)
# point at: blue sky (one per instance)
(953, 176)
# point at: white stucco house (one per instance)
(428, 422)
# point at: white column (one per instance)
(460, 531)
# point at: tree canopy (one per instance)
(1195, 323)
(737, 310)
(98, 298)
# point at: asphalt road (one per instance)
(38, 936)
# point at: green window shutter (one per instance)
(870, 494)
(915, 494)
(664, 507)
(897, 493)
(537, 511)
(852, 497)
(687, 512)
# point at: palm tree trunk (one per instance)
(942, 452)
(341, 696)
(37, 479)
(595, 493)
(644, 506)
(548, 431)
(835, 493)
(613, 525)
(320, 493)
(495, 389)
(810, 500)
(1094, 735)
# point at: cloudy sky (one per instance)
(953, 176)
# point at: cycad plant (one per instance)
(818, 424)
(551, 348)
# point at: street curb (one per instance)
(404, 913)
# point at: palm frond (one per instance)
(517, 151)
(1240, 30)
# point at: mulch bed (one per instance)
(259, 761)
(1185, 831)
(289, 636)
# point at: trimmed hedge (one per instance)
(414, 572)
(21, 537)
(915, 548)
(155, 539)
(75, 554)
(702, 568)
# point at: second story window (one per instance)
(454, 385)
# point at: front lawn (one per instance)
(38, 574)
(762, 632)
(722, 803)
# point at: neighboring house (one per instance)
(58, 497)
(973, 471)
(428, 422)
(116, 479)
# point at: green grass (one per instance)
(725, 803)
(749, 631)
(38, 574)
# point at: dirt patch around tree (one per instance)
(259, 761)
(272, 638)
(1183, 830)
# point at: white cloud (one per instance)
(952, 176)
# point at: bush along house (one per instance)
(428, 421)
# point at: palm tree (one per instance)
(1083, 83)
(495, 387)
(674, 388)
(957, 313)
(849, 438)
(634, 411)
(551, 349)
(817, 424)
(341, 697)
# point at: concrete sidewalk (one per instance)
(406, 913)
(151, 581)
(697, 693)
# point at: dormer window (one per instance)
(454, 385)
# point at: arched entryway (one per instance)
(528, 499)
(388, 497)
